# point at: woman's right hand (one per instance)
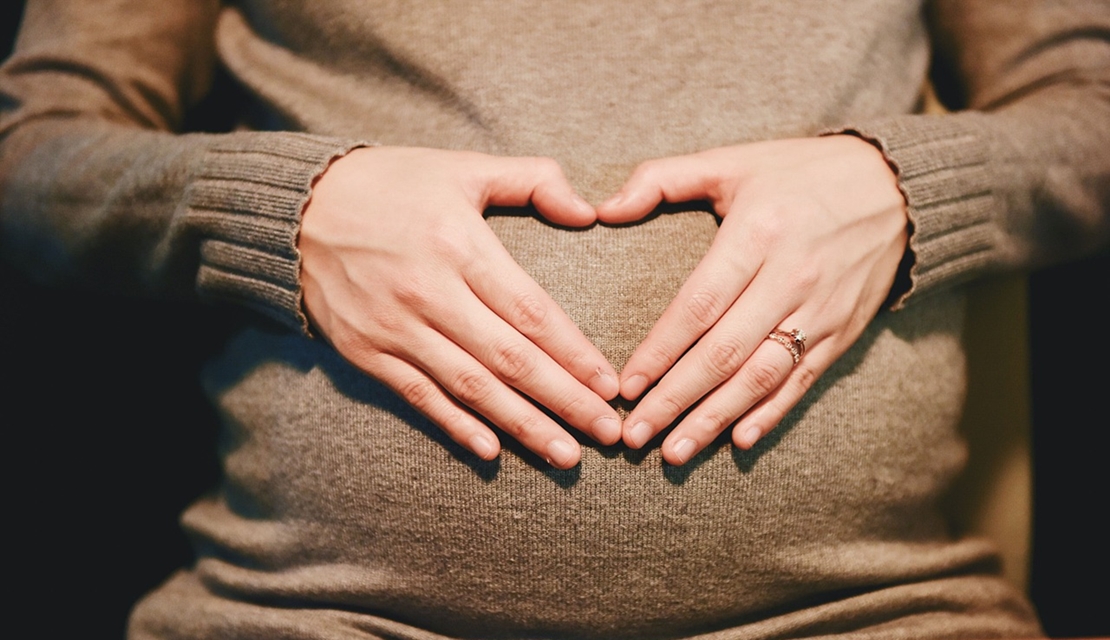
(406, 280)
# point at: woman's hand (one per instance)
(811, 236)
(404, 277)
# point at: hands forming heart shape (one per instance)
(402, 275)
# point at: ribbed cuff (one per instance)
(247, 202)
(941, 166)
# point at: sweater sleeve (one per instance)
(97, 187)
(1018, 175)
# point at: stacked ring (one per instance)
(794, 341)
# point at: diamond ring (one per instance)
(794, 341)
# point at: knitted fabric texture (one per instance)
(345, 514)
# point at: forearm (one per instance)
(111, 207)
(1019, 176)
(98, 189)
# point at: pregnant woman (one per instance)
(720, 402)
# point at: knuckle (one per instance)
(806, 376)
(365, 347)
(449, 243)
(513, 361)
(769, 229)
(646, 171)
(712, 422)
(570, 406)
(393, 325)
(807, 275)
(527, 313)
(577, 362)
(724, 357)
(520, 426)
(414, 293)
(419, 393)
(473, 387)
(671, 405)
(658, 357)
(704, 307)
(762, 378)
(548, 168)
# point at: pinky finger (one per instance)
(770, 411)
(427, 397)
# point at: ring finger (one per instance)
(760, 375)
(770, 411)
(714, 359)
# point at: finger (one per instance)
(519, 363)
(766, 415)
(761, 374)
(707, 294)
(472, 384)
(677, 179)
(716, 357)
(427, 397)
(512, 294)
(514, 182)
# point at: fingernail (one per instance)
(634, 386)
(560, 453)
(639, 434)
(750, 436)
(605, 384)
(607, 429)
(482, 446)
(684, 450)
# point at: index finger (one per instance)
(516, 181)
(513, 295)
(712, 288)
(677, 179)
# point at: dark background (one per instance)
(107, 438)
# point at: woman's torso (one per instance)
(344, 513)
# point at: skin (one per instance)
(812, 233)
(406, 280)
(409, 284)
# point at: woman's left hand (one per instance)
(812, 233)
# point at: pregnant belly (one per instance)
(337, 494)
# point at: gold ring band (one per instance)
(794, 341)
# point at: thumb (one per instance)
(514, 182)
(677, 179)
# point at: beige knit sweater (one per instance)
(345, 514)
